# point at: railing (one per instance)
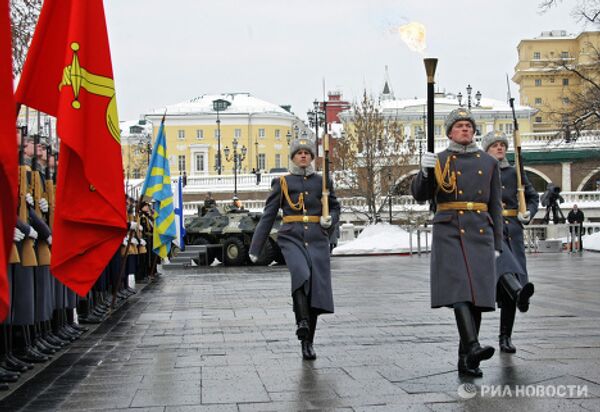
(406, 203)
(216, 183)
(533, 234)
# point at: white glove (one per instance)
(125, 239)
(325, 222)
(133, 225)
(49, 240)
(142, 242)
(43, 205)
(496, 254)
(253, 258)
(18, 236)
(29, 199)
(134, 241)
(428, 161)
(524, 217)
(32, 233)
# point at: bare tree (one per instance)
(23, 17)
(585, 11)
(370, 156)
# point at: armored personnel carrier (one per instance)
(233, 229)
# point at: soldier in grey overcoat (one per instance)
(303, 239)
(513, 287)
(464, 184)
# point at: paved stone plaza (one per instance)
(222, 339)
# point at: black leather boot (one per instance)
(519, 294)
(467, 329)
(463, 369)
(507, 320)
(308, 353)
(8, 376)
(302, 311)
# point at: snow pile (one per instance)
(592, 242)
(381, 238)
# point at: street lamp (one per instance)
(469, 90)
(219, 105)
(237, 159)
(316, 117)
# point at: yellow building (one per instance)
(260, 129)
(544, 82)
(135, 147)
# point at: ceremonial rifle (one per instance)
(325, 192)
(49, 189)
(518, 157)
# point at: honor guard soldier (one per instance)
(467, 232)
(303, 238)
(513, 287)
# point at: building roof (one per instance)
(450, 101)
(240, 103)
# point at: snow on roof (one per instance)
(239, 103)
(452, 102)
(126, 126)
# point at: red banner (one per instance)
(68, 74)
(8, 155)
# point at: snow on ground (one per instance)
(592, 242)
(381, 238)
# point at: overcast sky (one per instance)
(165, 52)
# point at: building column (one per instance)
(566, 176)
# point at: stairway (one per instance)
(184, 258)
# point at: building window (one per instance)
(199, 134)
(538, 119)
(261, 133)
(438, 130)
(277, 160)
(538, 82)
(552, 80)
(536, 55)
(565, 82)
(538, 100)
(181, 134)
(181, 163)
(262, 161)
(564, 55)
(277, 135)
(199, 162)
(508, 128)
(238, 133)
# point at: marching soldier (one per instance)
(467, 232)
(303, 238)
(513, 287)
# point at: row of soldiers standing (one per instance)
(44, 315)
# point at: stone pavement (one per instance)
(222, 339)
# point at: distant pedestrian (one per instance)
(576, 217)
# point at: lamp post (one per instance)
(237, 159)
(219, 105)
(469, 90)
(390, 194)
(316, 117)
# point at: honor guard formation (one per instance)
(44, 315)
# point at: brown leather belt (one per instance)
(510, 212)
(301, 218)
(474, 206)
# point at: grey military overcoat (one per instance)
(513, 259)
(305, 246)
(462, 253)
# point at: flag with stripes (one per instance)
(157, 186)
(178, 199)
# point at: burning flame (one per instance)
(413, 34)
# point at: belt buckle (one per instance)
(305, 219)
(469, 205)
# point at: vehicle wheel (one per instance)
(267, 255)
(278, 256)
(235, 251)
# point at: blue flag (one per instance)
(157, 186)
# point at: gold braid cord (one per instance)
(445, 179)
(284, 188)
